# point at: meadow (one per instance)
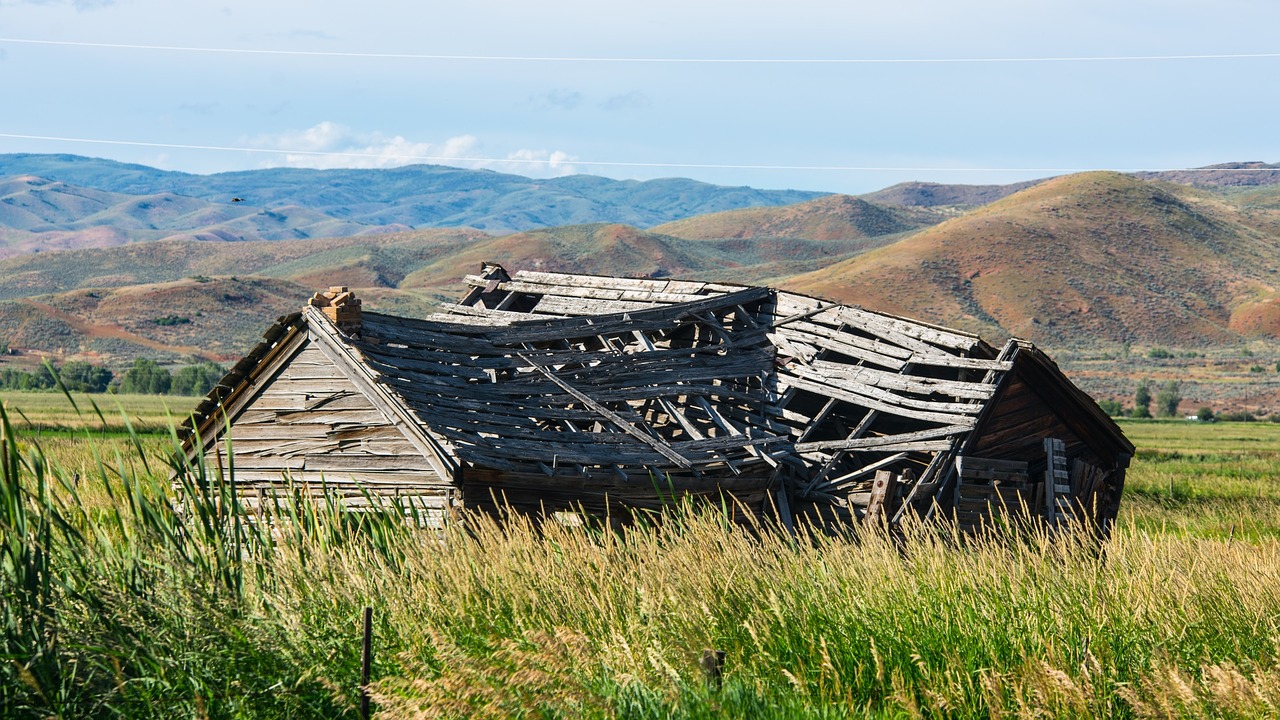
(121, 599)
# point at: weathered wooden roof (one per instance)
(556, 378)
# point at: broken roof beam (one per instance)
(656, 443)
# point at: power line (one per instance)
(652, 60)
(608, 163)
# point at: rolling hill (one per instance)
(1072, 262)
(413, 196)
(939, 195)
(835, 217)
(40, 215)
(1078, 260)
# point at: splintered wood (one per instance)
(547, 392)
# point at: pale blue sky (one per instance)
(943, 121)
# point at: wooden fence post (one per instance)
(366, 660)
(713, 667)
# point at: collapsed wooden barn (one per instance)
(546, 392)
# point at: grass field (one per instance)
(119, 602)
(52, 410)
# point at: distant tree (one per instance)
(1205, 414)
(1159, 353)
(1142, 400)
(1111, 407)
(1169, 398)
(196, 379)
(4, 350)
(146, 377)
(39, 379)
(12, 379)
(83, 377)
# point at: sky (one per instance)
(807, 94)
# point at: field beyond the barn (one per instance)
(120, 600)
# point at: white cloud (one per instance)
(329, 145)
(550, 163)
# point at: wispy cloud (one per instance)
(558, 99)
(633, 100)
(333, 145)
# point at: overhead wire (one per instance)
(655, 60)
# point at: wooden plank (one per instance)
(888, 396)
(875, 442)
(904, 382)
(933, 334)
(849, 478)
(656, 443)
(564, 306)
(962, 363)
(650, 284)
(599, 293)
(849, 343)
(875, 403)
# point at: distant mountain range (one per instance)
(98, 202)
(1073, 261)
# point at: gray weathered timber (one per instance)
(544, 392)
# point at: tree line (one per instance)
(144, 377)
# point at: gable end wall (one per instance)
(312, 422)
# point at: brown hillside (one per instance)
(1082, 258)
(209, 318)
(591, 249)
(835, 217)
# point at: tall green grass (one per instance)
(127, 596)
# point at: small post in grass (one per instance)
(366, 660)
(713, 667)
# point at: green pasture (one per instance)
(122, 599)
(53, 410)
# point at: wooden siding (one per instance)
(1016, 428)
(312, 427)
